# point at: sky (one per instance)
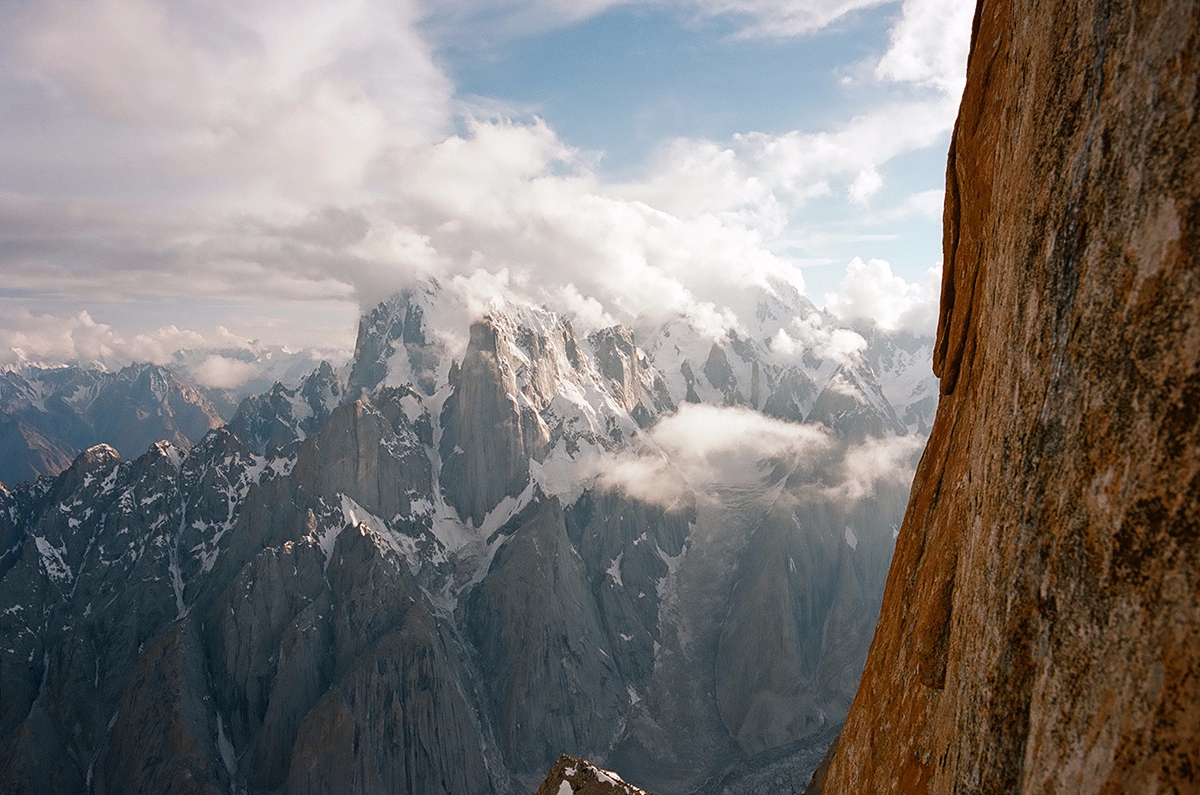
(206, 173)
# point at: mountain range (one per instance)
(486, 541)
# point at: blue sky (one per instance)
(629, 78)
(623, 82)
(188, 173)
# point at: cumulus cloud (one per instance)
(306, 151)
(714, 444)
(870, 291)
(865, 185)
(46, 340)
(228, 83)
(803, 163)
(924, 48)
(221, 372)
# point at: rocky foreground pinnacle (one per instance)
(1040, 629)
(571, 776)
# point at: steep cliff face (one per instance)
(1040, 629)
(489, 436)
(549, 667)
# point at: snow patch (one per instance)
(326, 540)
(403, 545)
(851, 538)
(614, 570)
(53, 562)
(611, 778)
(225, 748)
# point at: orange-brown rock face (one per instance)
(1041, 624)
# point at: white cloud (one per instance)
(803, 163)
(865, 185)
(926, 204)
(46, 340)
(297, 97)
(870, 291)
(724, 444)
(864, 466)
(928, 45)
(221, 372)
(300, 151)
(703, 445)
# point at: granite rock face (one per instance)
(553, 679)
(269, 422)
(800, 618)
(369, 453)
(488, 436)
(1040, 630)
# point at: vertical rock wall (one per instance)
(1041, 624)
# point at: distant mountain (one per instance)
(47, 416)
(283, 415)
(498, 541)
(226, 376)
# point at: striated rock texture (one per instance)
(489, 436)
(546, 658)
(1040, 628)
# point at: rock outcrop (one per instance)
(1040, 629)
(571, 776)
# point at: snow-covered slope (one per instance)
(284, 415)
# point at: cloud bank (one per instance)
(311, 151)
(871, 292)
(702, 448)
